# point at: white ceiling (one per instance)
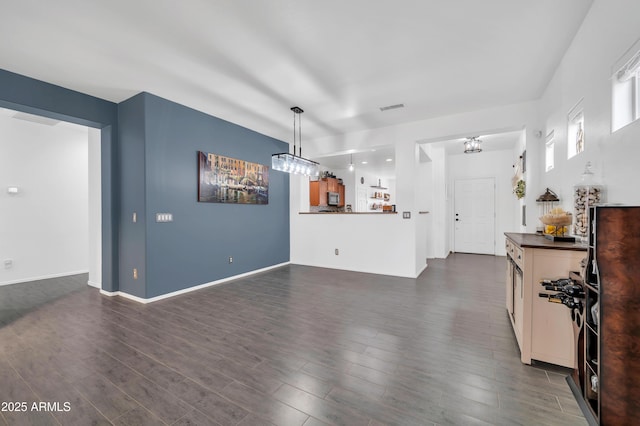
(249, 61)
(381, 159)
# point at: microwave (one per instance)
(333, 198)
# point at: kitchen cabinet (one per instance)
(332, 184)
(318, 191)
(543, 330)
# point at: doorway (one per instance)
(51, 210)
(474, 216)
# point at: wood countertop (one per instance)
(539, 241)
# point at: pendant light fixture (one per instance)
(351, 163)
(472, 145)
(295, 164)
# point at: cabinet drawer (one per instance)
(515, 252)
(518, 256)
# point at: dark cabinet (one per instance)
(607, 379)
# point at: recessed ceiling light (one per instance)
(388, 107)
(364, 162)
(389, 159)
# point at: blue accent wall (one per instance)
(193, 249)
(29, 95)
(131, 158)
(149, 151)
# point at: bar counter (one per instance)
(539, 241)
(350, 213)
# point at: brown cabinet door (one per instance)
(318, 193)
(332, 185)
(341, 192)
(314, 193)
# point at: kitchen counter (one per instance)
(544, 330)
(539, 241)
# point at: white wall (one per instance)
(408, 234)
(609, 29)
(495, 164)
(364, 242)
(95, 210)
(44, 228)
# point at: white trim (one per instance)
(422, 270)
(190, 289)
(44, 277)
(94, 284)
(389, 274)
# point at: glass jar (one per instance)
(585, 194)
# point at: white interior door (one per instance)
(361, 203)
(475, 215)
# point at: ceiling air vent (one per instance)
(387, 108)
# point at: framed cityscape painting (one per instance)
(229, 180)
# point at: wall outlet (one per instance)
(8, 263)
(230, 259)
(337, 252)
(135, 273)
(406, 215)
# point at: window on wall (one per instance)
(575, 130)
(550, 151)
(626, 89)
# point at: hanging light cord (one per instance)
(300, 133)
(294, 132)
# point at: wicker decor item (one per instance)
(564, 219)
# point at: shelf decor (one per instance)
(229, 180)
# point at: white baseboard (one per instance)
(390, 274)
(422, 270)
(94, 284)
(43, 277)
(190, 289)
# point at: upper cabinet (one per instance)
(318, 190)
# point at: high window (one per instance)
(550, 151)
(575, 130)
(626, 89)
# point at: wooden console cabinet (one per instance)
(607, 381)
(544, 330)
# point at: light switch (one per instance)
(164, 217)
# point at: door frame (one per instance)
(453, 211)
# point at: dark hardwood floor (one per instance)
(296, 345)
